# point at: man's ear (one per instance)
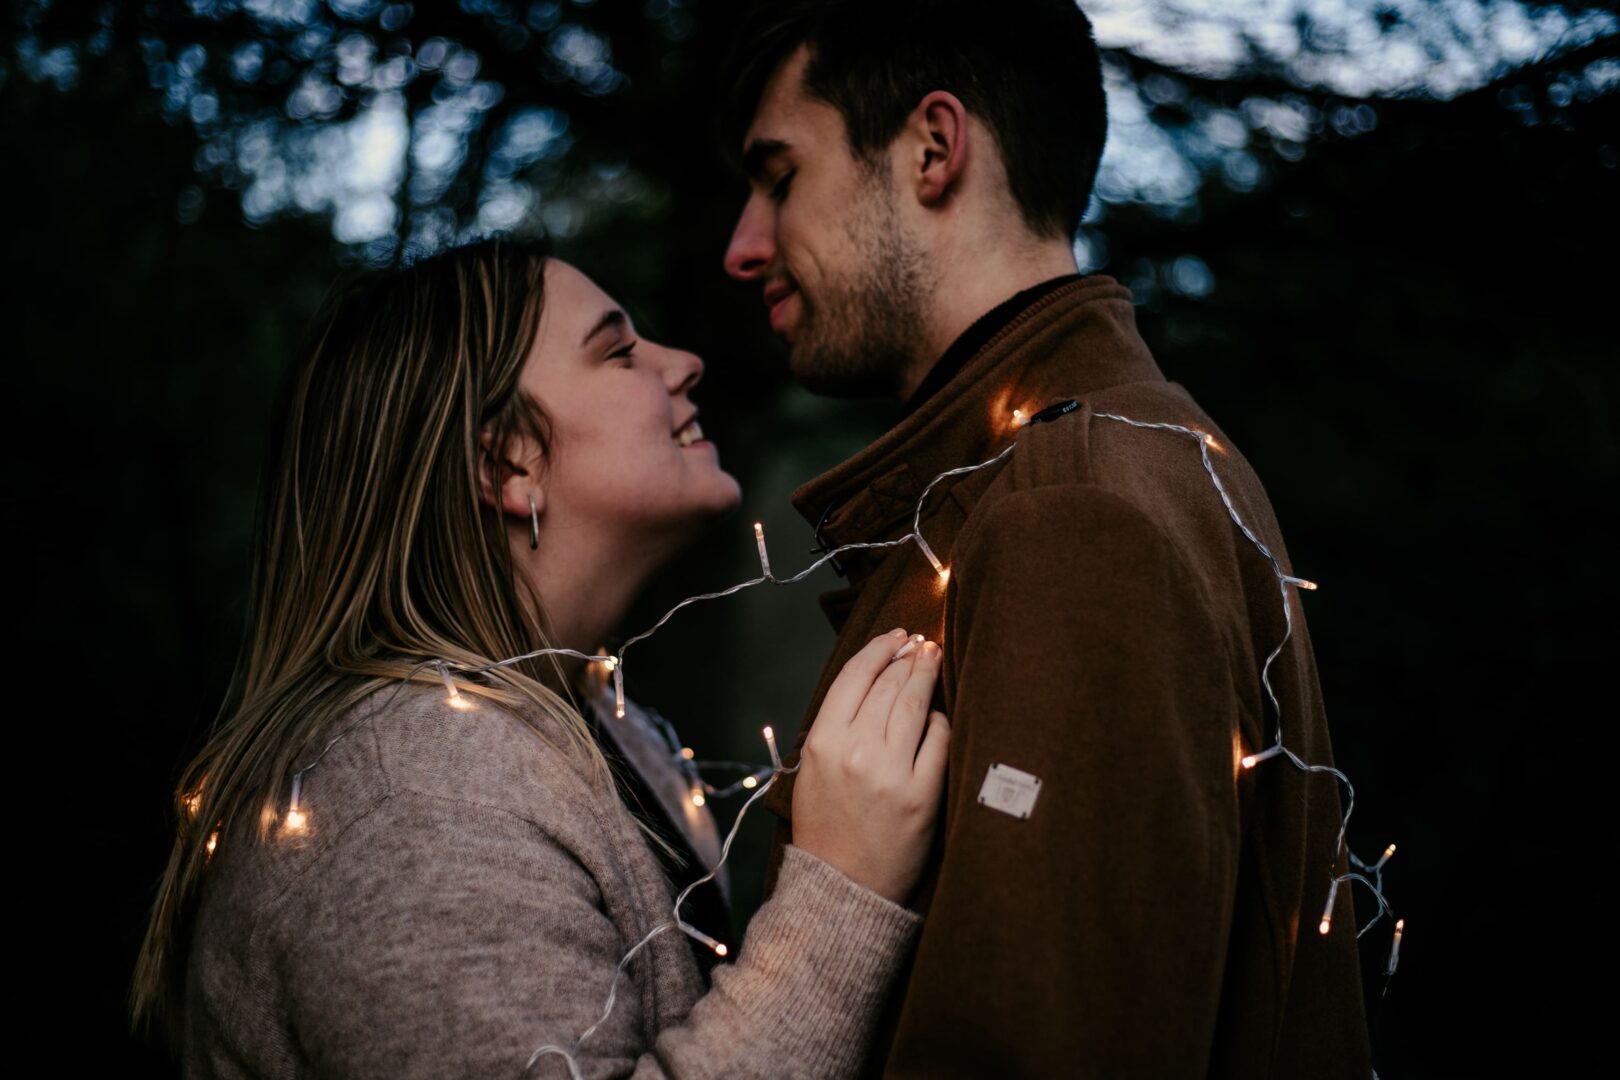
(517, 487)
(939, 147)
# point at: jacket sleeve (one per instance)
(446, 938)
(1087, 939)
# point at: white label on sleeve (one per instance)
(1010, 790)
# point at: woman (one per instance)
(478, 459)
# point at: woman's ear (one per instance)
(518, 486)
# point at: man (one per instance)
(1114, 894)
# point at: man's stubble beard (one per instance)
(865, 331)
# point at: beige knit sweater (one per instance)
(459, 897)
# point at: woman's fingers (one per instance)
(909, 713)
(932, 756)
(867, 794)
(847, 692)
(879, 702)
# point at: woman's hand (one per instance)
(873, 766)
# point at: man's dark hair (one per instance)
(1027, 69)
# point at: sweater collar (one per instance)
(1077, 337)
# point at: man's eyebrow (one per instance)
(611, 319)
(759, 154)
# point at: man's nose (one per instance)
(752, 246)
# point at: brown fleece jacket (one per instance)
(1104, 624)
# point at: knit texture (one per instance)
(460, 897)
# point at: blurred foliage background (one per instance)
(1374, 239)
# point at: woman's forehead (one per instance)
(569, 293)
(575, 309)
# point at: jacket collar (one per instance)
(1078, 338)
(971, 340)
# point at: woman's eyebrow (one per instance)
(611, 319)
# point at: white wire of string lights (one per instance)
(759, 780)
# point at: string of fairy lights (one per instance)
(759, 780)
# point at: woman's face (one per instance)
(618, 404)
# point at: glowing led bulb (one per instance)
(455, 700)
(1385, 857)
(770, 744)
(618, 691)
(933, 560)
(719, 947)
(213, 841)
(686, 752)
(1327, 911)
(1395, 948)
(193, 802)
(944, 575)
(1251, 760)
(1020, 418)
(750, 782)
(295, 817)
(697, 797)
(759, 540)
(1299, 582)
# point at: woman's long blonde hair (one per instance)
(374, 553)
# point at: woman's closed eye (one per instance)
(624, 352)
(780, 189)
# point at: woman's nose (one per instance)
(683, 370)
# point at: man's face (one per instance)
(844, 280)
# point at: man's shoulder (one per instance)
(1057, 525)
(1128, 440)
(1135, 453)
(1140, 476)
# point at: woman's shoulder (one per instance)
(411, 739)
(425, 829)
(402, 782)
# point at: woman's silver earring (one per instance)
(534, 524)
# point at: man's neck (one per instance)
(973, 286)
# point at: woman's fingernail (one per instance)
(931, 649)
(897, 632)
(904, 649)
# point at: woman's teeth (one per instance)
(689, 434)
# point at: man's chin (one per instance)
(838, 377)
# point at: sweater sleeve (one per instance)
(1087, 939)
(447, 938)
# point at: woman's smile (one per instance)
(603, 382)
(691, 434)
